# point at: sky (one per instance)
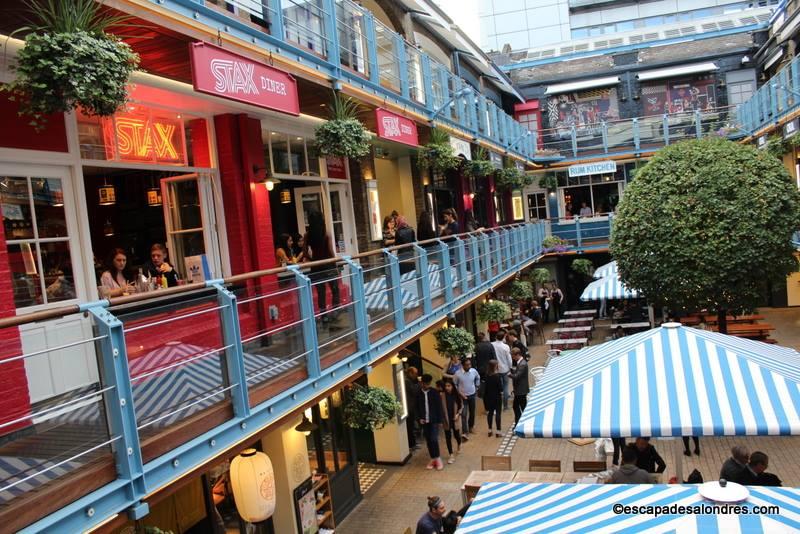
(465, 14)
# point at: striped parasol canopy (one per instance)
(609, 269)
(516, 508)
(669, 381)
(610, 287)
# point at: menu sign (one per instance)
(761, 142)
(396, 128)
(221, 73)
(791, 128)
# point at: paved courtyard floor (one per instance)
(398, 498)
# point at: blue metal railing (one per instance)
(581, 233)
(205, 367)
(774, 100)
(346, 42)
(636, 135)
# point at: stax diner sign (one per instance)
(142, 137)
(221, 73)
(396, 128)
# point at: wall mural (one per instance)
(679, 96)
(585, 111)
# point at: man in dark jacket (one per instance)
(755, 474)
(514, 342)
(404, 235)
(519, 380)
(734, 466)
(429, 413)
(412, 390)
(647, 457)
(484, 351)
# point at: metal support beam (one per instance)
(309, 321)
(234, 353)
(394, 293)
(423, 280)
(446, 274)
(359, 303)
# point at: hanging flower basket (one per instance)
(454, 341)
(520, 290)
(583, 266)
(540, 276)
(493, 311)
(369, 408)
(554, 244)
(437, 155)
(480, 166)
(343, 135)
(549, 182)
(511, 178)
(69, 61)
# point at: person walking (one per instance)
(429, 411)
(317, 243)
(484, 351)
(451, 422)
(686, 451)
(519, 379)
(647, 457)
(493, 397)
(503, 363)
(412, 389)
(619, 446)
(557, 301)
(467, 381)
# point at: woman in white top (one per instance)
(115, 281)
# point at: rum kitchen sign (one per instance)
(221, 73)
(396, 128)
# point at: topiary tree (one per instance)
(369, 408)
(704, 223)
(454, 341)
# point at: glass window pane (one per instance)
(16, 208)
(58, 276)
(23, 263)
(298, 152)
(48, 201)
(186, 245)
(313, 157)
(280, 153)
(185, 205)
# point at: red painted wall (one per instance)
(16, 132)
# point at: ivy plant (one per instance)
(520, 290)
(705, 225)
(343, 135)
(437, 154)
(454, 341)
(540, 276)
(369, 408)
(69, 61)
(583, 266)
(777, 146)
(511, 178)
(553, 243)
(480, 166)
(548, 181)
(493, 311)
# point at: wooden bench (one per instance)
(573, 332)
(750, 331)
(643, 325)
(576, 321)
(741, 319)
(578, 342)
(495, 463)
(545, 466)
(579, 313)
(590, 466)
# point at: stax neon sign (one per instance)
(142, 137)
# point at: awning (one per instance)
(609, 269)
(668, 381)
(502, 507)
(669, 72)
(583, 84)
(609, 287)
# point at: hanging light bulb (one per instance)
(270, 185)
(107, 194)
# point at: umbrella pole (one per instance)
(678, 462)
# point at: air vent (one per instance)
(548, 53)
(533, 55)
(633, 39)
(651, 36)
(747, 21)
(675, 32)
(585, 46)
(600, 44)
(567, 50)
(615, 42)
(763, 18)
(726, 24)
(710, 27)
(688, 30)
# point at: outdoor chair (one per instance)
(545, 466)
(591, 466)
(470, 492)
(495, 463)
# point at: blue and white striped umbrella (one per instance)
(668, 381)
(610, 287)
(515, 508)
(609, 269)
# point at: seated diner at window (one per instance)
(158, 266)
(116, 280)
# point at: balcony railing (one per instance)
(186, 373)
(773, 101)
(345, 41)
(583, 233)
(637, 135)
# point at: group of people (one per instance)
(496, 372)
(550, 297)
(397, 231)
(584, 211)
(748, 469)
(118, 278)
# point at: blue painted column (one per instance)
(574, 137)
(309, 322)
(276, 20)
(393, 285)
(461, 265)
(332, 33)
(665, 126)
(423, 280)
(446, 273)
(486, 253)
(234, 353)
(578, 231)
(475, 257)
(604, 133)
(119, 405)
(698, 124)
(637, 141)
(402, 57)
(427, 77)
(359, 303)
(372, 48)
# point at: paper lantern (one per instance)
(253, 483)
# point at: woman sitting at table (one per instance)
(285, 251)
(116, 279)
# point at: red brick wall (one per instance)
(15, 401)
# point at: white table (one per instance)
(573, 331)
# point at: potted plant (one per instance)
(540, 276)
(554, 243)
(369, 408)
(343, 134)
(520, 290)
(454, 341)
(583, 267)
(437, 155)
(511, 178)
(493, 311)
(549, 182)
(69, 61)
(546, 152)
(480, 167)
